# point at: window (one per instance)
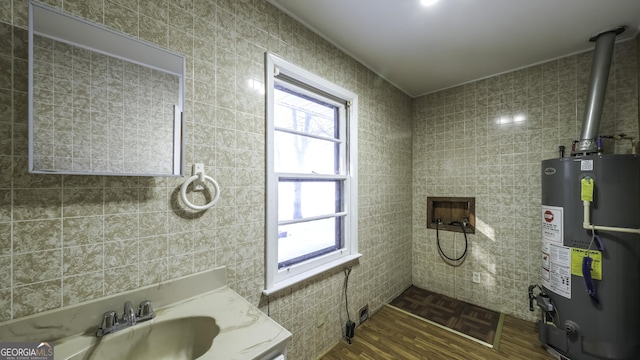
(311, 220)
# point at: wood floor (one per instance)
(393, 335)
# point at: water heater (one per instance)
(590, 223)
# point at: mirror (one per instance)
(101, 102)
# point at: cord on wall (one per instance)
(453, 260)
(350, 327)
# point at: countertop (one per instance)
(243, 332)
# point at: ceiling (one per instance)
(422, 49)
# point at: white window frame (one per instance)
(279, 279)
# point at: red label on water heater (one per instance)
(548, 216)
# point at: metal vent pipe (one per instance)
(597, 88)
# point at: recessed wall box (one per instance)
(450, 211)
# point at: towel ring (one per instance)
(201, 177)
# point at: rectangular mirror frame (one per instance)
(60, 26)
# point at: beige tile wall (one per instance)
(486, 139)
(67, 239)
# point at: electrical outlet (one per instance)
(364, 313)
(476, 277)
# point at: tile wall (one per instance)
(486, 139)
(68, 239)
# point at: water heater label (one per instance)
(556, 258)
(552, 224)
(557, 274)
(586, 165)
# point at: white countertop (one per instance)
(245, 332)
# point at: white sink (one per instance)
(176, 339)
(196, 317)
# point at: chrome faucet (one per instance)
(110, 322)
(129, 316)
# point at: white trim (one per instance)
(294, 176)
(300, 133)
(61, 26)
(309, 78)
(282, 285)
(178, 144)
(312, 218)
(279, 279)
(270, 252)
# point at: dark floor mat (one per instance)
(479, 324)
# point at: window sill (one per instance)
(285, 284)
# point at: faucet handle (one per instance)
(145, 310)
(108, 323)
(109, 319)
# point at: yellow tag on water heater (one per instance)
(586, 192)
(576, 262)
